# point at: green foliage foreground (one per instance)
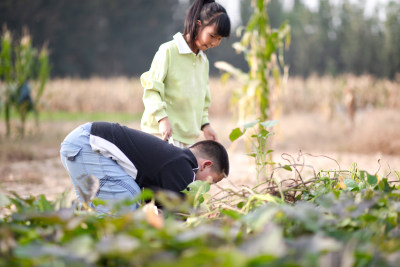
(350, 220)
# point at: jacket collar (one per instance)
(183, 46)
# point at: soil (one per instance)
(31, 165)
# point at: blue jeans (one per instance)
(80, 161)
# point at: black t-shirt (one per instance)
(159, 165)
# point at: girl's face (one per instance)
(207, 37)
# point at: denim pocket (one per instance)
(69, 150)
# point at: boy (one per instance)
(126, 160)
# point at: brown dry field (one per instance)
(314, 129)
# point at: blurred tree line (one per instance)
(337, 39)
(120, 37)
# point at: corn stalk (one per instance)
(263, 49)
(257, 98)
(20, 64)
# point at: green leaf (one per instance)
(287, 167)
(97, 201)
(240, 204)
(362, 185)
(119, 245)
(284, 30)
(44, 204)
(385, 187)
(350, 184)
(268, 124)
(231, 213)
(198, 186)
(197, 190)
(264, 133)
(270, 46)
(257, 218)
(262, 260)
(4, 200)
(327, 200)
(250, 124)
(372, 179)
(145, 194)
(171, 201)
(397, 174)
(235, 134)
(269, 242)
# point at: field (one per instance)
(316, 127)
(331, 197)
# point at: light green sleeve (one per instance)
(207, 102)
(153, 84)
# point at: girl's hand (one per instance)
(209, 133)
(164, 126)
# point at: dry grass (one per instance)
(314, 111)
(314, 114)
(313, 120)
(315, 94)
(327, 94)
(119, 94)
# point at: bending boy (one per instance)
(126, 160)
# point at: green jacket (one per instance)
(177, 86)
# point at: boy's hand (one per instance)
(164, 126)
(209, 133)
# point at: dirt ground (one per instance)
(31, 166)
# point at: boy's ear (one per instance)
(207, 163)
(198, 22)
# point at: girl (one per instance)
(176, 90)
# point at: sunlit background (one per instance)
(114, 38)
(341, 98)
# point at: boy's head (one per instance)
(212, 159)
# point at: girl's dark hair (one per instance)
(209, 13)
